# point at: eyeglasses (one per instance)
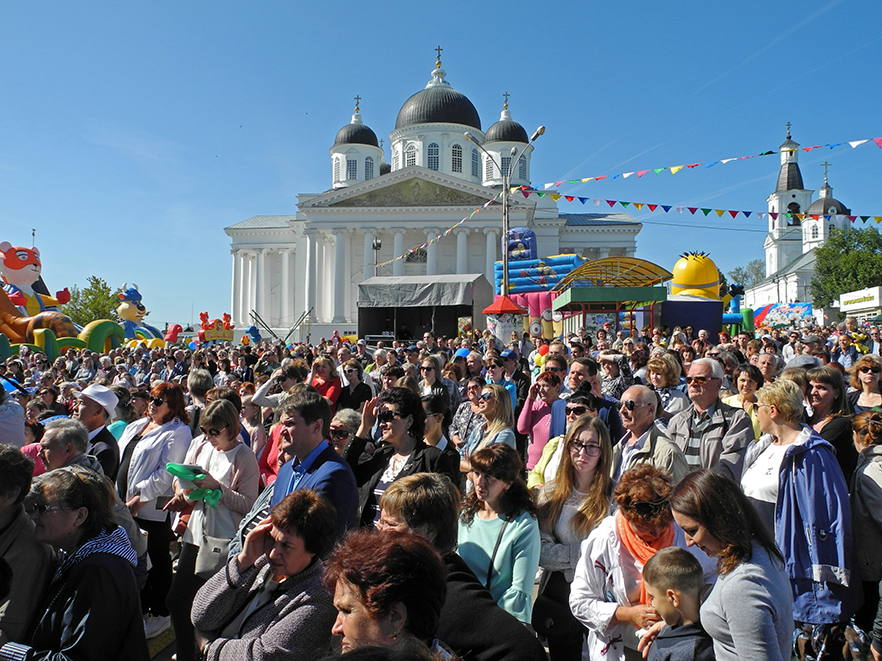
(340, 434)
(214, 433)
(577, 410)
(351, 370)
(554, 369)
(630, 404)
(387, 416)
(867, 368)
(699, 380)
(426, 368)
(157, 401)
(486, 396)
(591, 449)
(648, 509)
(33, 507)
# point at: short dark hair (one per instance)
(504, 463)
(220, 413)
(674, 568)
(408, 403)
(310, 406)
(310, 516)
(16, 471)
(74, 487)
(386, 568)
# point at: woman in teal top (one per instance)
(499, 514)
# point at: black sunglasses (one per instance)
(629, 404)
(486, 396)
(867, 368)
(157, 401)
(214, 433)
(648, 509)
(340, 434)
(387, 416)
(577, 410)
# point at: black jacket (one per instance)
(106, 448)
(423, 459)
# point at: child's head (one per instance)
(673, 576)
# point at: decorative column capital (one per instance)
(431, 232)
(310, 232)
(462, 230)
(398, 230)
(340, 231)
(491, 230)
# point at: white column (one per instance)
(368, 254)
(604, 252)
(431, 251)
(462, 250)
(310, 274)
(492, 248)
(397, 251)
(242, 289)
(285, 290)
(250, 293)
(339, 276)
(234, 298)
(260, 285)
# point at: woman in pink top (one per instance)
(543, 416)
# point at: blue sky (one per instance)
(132, 133)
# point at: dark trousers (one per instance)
(566, 646)
(159, 578)
(180, 601)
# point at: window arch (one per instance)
(476, 163)
(410, 156)
(456, 158)
(433, 162)
(815, 232)
(336, 169)
(522, 168)
(368, 168)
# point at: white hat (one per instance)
(101, 394)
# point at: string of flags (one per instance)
(445, 232)
(674, 169)
(761, 215)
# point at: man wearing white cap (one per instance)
(97, 407)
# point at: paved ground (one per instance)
(162, 647)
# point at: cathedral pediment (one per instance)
(412, 193)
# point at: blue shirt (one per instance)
(301, 468)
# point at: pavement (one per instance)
(162, 647)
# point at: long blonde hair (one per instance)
(503, 414)
(595, 505)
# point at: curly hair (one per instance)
(661, 366)
(644, 485)
(502, 462)
(386, 568)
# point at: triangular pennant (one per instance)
(711, 164)
(747, 213)
(596, 201)
(851, 219)
(720, 212)
(574, 181)
(878, 142)
(599, 178)
(815, 216)
(800, 216)
(706, 211)
(733, 213)
(728, 160)
(615, 176)
(856, 143)
(639, 205)
(587, 179)
(767, 153)
(640, 173)
(835, 144)
(693, 165)
(774, 215)
(624, 204)
(627, 174)
(676, 168)
(542, 194)
(547, 186)
(611, 203)
(652, 207)
(525, 192)
(558, 183)
(865, 218)
(826, 218)
(761, 215)
(692, 210)
(666, 207)
(583, 200)
(555, 196)
(569, 198)
(658, 170)
(878, 219)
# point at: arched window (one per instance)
(395, 160)
(434, 158)
(351, 168)
(522, 168)
(488, 168)
(476, 163)
(368, 168)
(336, 169)
(506, 165)
(815, 232)
(456, 158)
(410, 156)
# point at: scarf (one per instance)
(639, 549)
(115, 543)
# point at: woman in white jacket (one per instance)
(607, 593)
(146, 446)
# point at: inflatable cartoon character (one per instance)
(695, 274)
(21, 268)
(253, 333)
(132, 313)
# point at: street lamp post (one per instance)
(516, 157)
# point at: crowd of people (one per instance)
(661, 494)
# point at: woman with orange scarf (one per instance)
(607, 594)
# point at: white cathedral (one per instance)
(309, 264)
(790, 244)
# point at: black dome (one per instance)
(385, 168)
(828, 206)
(438, 104)
(506, 130)
(356, 134)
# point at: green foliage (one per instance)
(95, 301)
(749, 275)
(851, 259)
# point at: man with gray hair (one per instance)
(644, 442)
(710, 433)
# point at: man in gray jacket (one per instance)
(711, 434)
(644, 442)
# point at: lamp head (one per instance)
(471, 138)
(539, 131)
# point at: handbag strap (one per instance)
(495, 549)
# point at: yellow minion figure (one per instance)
(695, 274)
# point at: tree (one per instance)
(748, 276)
(850, 259)
(96, 301)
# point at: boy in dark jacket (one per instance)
(673, 580)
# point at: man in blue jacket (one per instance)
(305, 420)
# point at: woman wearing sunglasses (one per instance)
(867, 393)
(146, 446)
(607, 594)
(494, 405)
(231, 468)
(433, 382)
(357, 392)
(570, 507)
(543, 414)
(402, 451)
